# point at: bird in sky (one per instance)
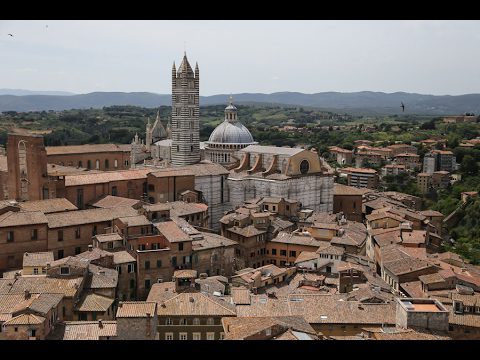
(403, 107)
(10, 35)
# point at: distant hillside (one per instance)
(365, 102)
(22, 92)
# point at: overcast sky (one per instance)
(428, 57)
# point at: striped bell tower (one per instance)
(185, 114)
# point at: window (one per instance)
(183, 336)
(65, 270)
(197, 336)
(77, 232)
(210, 321)
(10, 236)
(274, 251)
(126, 163)
(97, 164)
(131, 268)
(60, 254)
(155, 247)
(115, 163)
(35, 271)
(141, 247)
(114, 191)
(80, 164)
(265, 207)
(210, 336)
(89, 164)
(196, 321)
(183, 321)
(106, 164)
(287, 207)
(16, 329)
(293, 253)
(132, 283)
(147, 284)
(110, 245)
(169, 336)
(222, 335)
(304, 166)
(60, 235)
(168, 321)
(283, 252)
(159, 263)
(78, 250)
(282, 263)
(34, 234)
(147, 265)
(119, 269)
(174, 261)
(180, 246)
(274, 208)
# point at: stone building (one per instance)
(228, 138)
(105, 157)
(137, 320)
(185, 114)
(292, 173)
(421, 313)
(213, 254)
(348, 200)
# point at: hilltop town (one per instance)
(173, 238)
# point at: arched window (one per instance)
(106, 164)
(89, 164)
(115, 163)
(97, 164)
(80, 164)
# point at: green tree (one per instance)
(469, 165)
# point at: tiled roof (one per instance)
(25, 319)
(410, 334)
(194, 303)
(80, 217)
(431, 278)
(186, 273)
(340, 189)
(181, 208)
(101, 278)
(101, 238)
(105, 177)
(71, 261)
(122, 257)
(37, 259)
(60, 170)
(414, 237)
(110, 201)
(296, 239)
(211, 241)
(413, 289)
(470, 320)
(358, 170)
(87, 148)
(240, 328)
(431, 213)
(88, 330)
(171, 231)
(306, 256)
(39, 284)
(94, 254)
(211, 285)
(156, 207)
(200, 169)
(43, 303)
(240, 295)
(136, 309)
(246, 231)
(329, 249)
(21, 218)
(276, 150)
(405, 265)
(40, 303)
(94, 302)
(48, 206)
(160, 292)
(136, 220)
(382, 215)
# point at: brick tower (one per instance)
(185, 114)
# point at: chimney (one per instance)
(90, 247)
(192, 299)
(100, 324)
(48, 265)
(27, 294)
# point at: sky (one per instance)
(427, 57)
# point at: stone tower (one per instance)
(185, 114)
(27, 167)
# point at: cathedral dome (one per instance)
(231, 133)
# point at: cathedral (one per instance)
(237, 167)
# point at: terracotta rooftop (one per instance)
(276, 150)
(25, 319)
(358, 170)
(160, 292)
(240, 295)
(306, 256)
(135, 220)
(296, 239)
(329, 249)
(37, 259)
(88, 330)
(195, 304)
(408, 155)
(200, 169)
(94, 302)
(339, 189)
(71, 261)
(94, 254)
(405, 265)
(80, 217)
(431, 213)
(60, 170)
(20, 218)
(110, 201)
(243, 328)
(101, 278)
(40, 303)
(105, 177)
(122, 257)
(181, 208)
(172, 232)
(102, 238)
(246, 231)
(136, 309)
(211, 241)
(185, 274)
(85, 149)
(48, 206)
(39, 284)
